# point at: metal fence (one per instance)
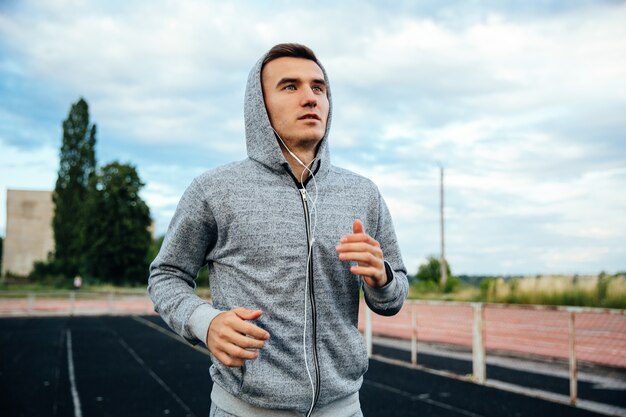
(461, 339)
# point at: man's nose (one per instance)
(309, 99)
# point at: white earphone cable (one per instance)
(309, 255)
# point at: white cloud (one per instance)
(523, 109)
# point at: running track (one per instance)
(133, 366)
(600, 336)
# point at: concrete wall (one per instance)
(29, 236)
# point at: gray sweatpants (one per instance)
(216, 412)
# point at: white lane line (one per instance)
(156, 377)
(70, 367)
(421, 398)
(200, 348)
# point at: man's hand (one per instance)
(233, 340)
(363, 249)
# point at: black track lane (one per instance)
(555, 384)
(407, 392)
(126, 369)
(183, 369)
(33, 368)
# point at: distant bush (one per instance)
(452, 284)
(49, 274)
(602, 291)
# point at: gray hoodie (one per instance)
(248, 221)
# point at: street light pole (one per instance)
(442, 260)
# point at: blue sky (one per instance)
(523, 103)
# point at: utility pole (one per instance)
(442, 261)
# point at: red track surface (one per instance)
(82, 305)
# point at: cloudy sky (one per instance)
(523, 103)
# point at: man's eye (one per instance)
(318, 89)
(290, 87)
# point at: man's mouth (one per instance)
(310, 116)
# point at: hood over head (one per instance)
(261, 142)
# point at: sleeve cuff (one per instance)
(200, 321)
(382, 294)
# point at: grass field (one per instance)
(588, 291)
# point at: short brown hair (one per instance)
(292, 50)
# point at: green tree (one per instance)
(117, 235)
(1, 249)
(155, 247)
(431, 270)
(430, 273)
(77, 165)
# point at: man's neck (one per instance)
(306, 156)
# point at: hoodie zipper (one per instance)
(307, 221)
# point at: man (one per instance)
(284, 235)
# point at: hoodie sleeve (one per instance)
(389, 299)
(191, 234)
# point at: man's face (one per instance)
(296, 100)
